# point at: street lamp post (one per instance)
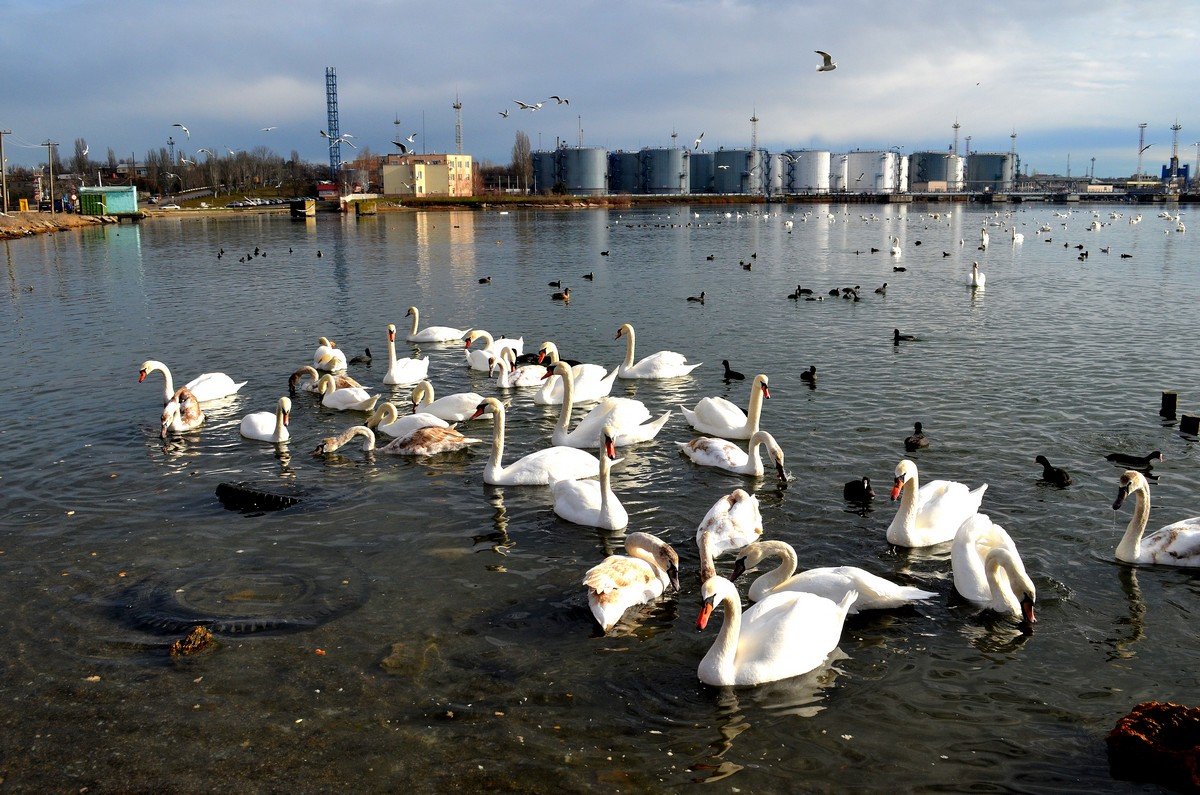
(4, 169)
(50, 162)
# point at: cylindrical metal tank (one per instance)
(624, 172)
(989, 172)
(808, 171)
(902, 173)
(776, 174)
(839, 170)
(876, 171)
(929, 170)
(701, 170)
(737, 171)
(584, 171)
(544, 172)
(664, 171)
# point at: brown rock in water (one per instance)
(196, 641)
(1157, 742)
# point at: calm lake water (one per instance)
(408, 626)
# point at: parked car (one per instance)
(171, 207)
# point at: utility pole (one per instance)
(1141, 148)
(50, 162)
(171, 149)
(4, 168)
(1093, 174)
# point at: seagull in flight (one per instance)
(86, 147)
(560, 100)
(183, 159)
(210, 152)
(527, 106)
(185, 129)
(268, 129)
(1144, 148)
(503, 114)
(232, 152)
(827, 65)
(696, 145)
(403, 148)
(411, 138)
(722, 168)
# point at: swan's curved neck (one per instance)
(564, 416)
(907, 513)
(416, 315)
(1131, 542)
(391, 351)
(726, 643)
(493, 464)
(630, 343)
(754, 409)
(786, 568)
(754, 460)
(426, 393)
(281, 431)
(605, 486)
(1003, 593)
(358, 430)
(707, 567)
(489, 342)
(168, 382)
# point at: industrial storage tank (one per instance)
(808, 171)
(701, 168)
(738, 171)
(664, 171)
(775, 175)
(584, 170)
(935, 171)
(990, 172)
(875, 172)
(624, 172)
(545, 172)
(839, 171)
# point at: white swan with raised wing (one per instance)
(628, 418)
(988, 570)
(929, 514)
(720, 417)
(431, 333)
(620, 582)
(268, 426)
(539, 468)
(664, 364)
(206, 387)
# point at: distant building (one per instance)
(428, 175)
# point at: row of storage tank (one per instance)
(596, 171)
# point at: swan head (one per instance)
(169, 413)
(1027, 615)
(548, 349)
(326, 384)
(775, 451)
(762, 382)
(749, 557)
(326, 342)
(285, 408)
(391, 332)
(710, 592)
(664, 555)
(470, 337)
(905, 471)
(148, 367)
(625, 327)
(412, 311)
(384, 415)
(1131, 481)
(561, 369)
(607, 444)
(489, 405)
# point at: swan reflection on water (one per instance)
(496, 541)
(801, 696)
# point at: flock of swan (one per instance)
(797, 618)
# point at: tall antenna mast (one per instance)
(457, 123)
(335, 134)
(1175, 128)
(579, 121)
(956, 126)
(754, 142)
(1141, 147)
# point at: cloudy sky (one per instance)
(1070, 77)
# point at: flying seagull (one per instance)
(410, 138)
(86, 147)
(403, 148)
(1144, 148)
(268, 129)
(503, 114)
(183, 159)
(185, 129)
(560, 100)
(828, 65)
(698, 140)
(527, 106)
(721, 168)
(210, 152)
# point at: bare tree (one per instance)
(522, 160)
(80, 164)
(112, 159)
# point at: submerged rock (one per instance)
(1157, 742)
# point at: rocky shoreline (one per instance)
(15, 225)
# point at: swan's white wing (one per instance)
(786, 635)
(437, 334)
(711, 452)
(947, 505)
(717, 411)
(552, 464)
(875, 592)
(456, 407)
(1176, 544)
(618, 583)
(404, 426)
(213, 386)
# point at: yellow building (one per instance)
(428, 175)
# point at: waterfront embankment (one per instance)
(14, 225)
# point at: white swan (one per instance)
(620, 582)
(481, 358)
(431, 333)
(1017, 237)
(509, 375)
(592, 382)
(327, 357)
(664, 364)
(387, 419)
(896, 251)
(352, 399)
(592, 503)
(268, 426)
(403, 371)
(875, 593)
(984, 237)
(988, 571)
(453, 408)
(929, 514)
(182, 413)
(720, 417)
(733, 522)
(976, 280)
(726, 455)
(539, 468)
(1176, 544)
(784, 635)
(296, 381)
(205, 387)
(426, 441)
(628, 418)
